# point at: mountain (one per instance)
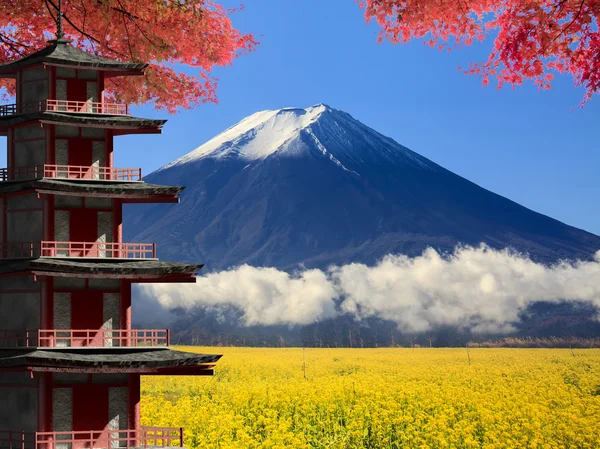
(315, 187)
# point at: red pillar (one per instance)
(47, 303)
(133, 399)
(125, 304)
(117, 221)
(100, 92)
(126, 308)
(44, 384)
(18, 92)
(10, 157)
(48, 218)
(50, 144)
(51, 82)
(3, 218)
(108, 148)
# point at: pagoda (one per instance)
(70, 362)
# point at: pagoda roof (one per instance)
(61, 53)
(100, 267)
(128, 190)
(120, 359)
(108, 121)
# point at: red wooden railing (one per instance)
(98, 249)
(71, 172)
(85, 107)
(19, 250)
(52, 338)
(94, 439)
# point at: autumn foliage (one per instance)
(169, 34)
(533, 38)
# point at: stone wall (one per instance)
(117, 409)
(111, 316)
(62, 412)
(61, 154)
(62, 316)
(62, 231)
(105, 230)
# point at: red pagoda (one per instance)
(70, 362)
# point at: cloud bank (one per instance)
(477, 288)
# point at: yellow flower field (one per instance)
(384, 398)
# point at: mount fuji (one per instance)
(312, 187)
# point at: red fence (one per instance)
(85, 107)
(52, 338)
(101, 439)
(98, 249)
(71, 172)
(19, 250)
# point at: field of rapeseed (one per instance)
(384, 398)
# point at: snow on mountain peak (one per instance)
(334, 133)
(258, 135)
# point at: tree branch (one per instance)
(565, 28)
(87, 35)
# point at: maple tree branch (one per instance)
(121, 10)
(83, 33)
(7, 40)
(49, 10)
(135, 23)
(565, 28)
(128, 39)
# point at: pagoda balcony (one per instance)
(87, 173)
(85, 338)
(144, 437)
(83, 107)
(28, 250)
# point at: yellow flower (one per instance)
(383, 398)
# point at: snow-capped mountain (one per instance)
(315, 186)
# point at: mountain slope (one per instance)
(315, 186)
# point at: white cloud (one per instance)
(478, 288)
(265, 295)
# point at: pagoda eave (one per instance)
(130, 191)
(102, 267)
(126, 197)
(109, 72)
(189, 278)
(121, 124)
(141, 279)
(104, 359)
(200, 370)
(61, 54)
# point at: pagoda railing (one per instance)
(45, 248)
(72, 338)
(89, 172)
(94, 439)
(84, 107)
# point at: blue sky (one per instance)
(525, 144)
